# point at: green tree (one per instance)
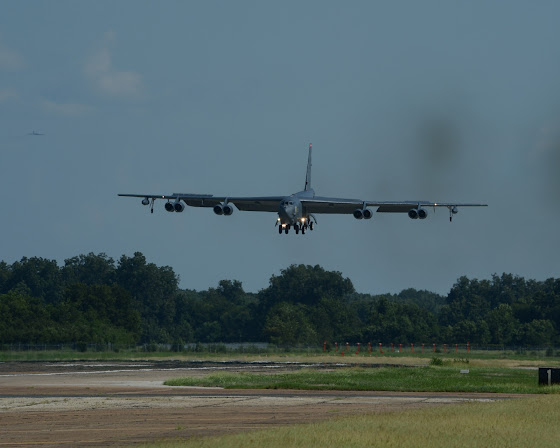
(89, 269)
(154, 292)
(24, 319)
(303, 284)
(287, 324)
(538, 332)
(5, 274)
(41, 276)
(502, 324)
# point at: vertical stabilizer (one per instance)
(308, 175)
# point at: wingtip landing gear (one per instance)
(452, 211)
(149, 201)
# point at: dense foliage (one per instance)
(93, 299)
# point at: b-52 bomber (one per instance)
(298, 210)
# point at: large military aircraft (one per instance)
(298, 210)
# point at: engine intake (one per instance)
(358, 213)
(169, 207)
(367, 213)
(179, 207)
(228, 209)
(416, 213)
(223, 209)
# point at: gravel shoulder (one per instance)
(123, 403)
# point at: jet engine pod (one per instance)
(169, 207)
(413, 213)
(145, 201)
(367, 213)
(219, 209)
(422, 213)
(228, 209)
(179, 207)
(358, 213)
(454, 210)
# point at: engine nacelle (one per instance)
(169, 207)
(145, 201)
(228, 209)
(223, 209)
(416, 213)
(358, 213)
(179, 207)
(454, 210)
(367, 213)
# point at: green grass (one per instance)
(73, 355)
(520, 423)
(476, 357)
(420, 379)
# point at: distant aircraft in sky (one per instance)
(35, 133)
(298, 210)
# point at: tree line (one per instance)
(93, 299)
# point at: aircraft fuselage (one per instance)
(291, 212)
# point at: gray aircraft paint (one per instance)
(297, 210)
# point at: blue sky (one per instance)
(434, 100)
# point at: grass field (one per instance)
(488, 358)
(521, 423)
(411, 379)
(526, 422)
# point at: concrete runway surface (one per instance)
(118, 403)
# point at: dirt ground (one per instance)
(123, 403)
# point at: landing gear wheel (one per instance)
(280, 230)
(296, 228)
(303, 230)
(311, 225)
(286, 230)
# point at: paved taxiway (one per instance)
(119, 403)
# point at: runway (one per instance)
(123, 403)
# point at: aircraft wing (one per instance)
(347, 206)
(252, 204)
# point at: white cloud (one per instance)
(68, 109)
(7, 94)
(9, 60)
(99, 70)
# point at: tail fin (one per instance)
(308, 175)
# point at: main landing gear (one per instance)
(298, 227)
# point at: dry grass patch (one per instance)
(531, 422)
